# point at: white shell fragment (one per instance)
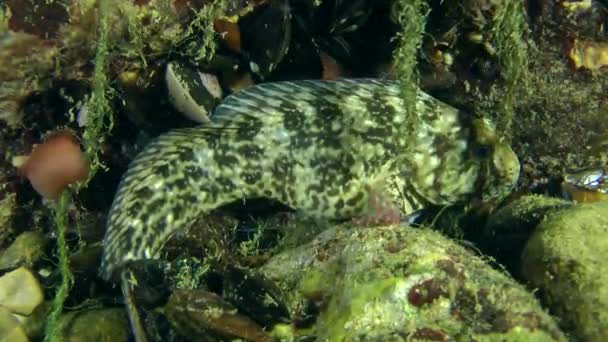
(192, 93)
(20, 291)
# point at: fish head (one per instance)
(499, 166)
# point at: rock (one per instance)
(8, 205)
(27, 249)
(566, 259)
(35, 323)
(95, 325)
(20, 291)
(10, 327)
(508, 229)
(398, 283)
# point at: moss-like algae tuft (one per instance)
(509, 29)
(411, 16)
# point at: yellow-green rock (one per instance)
(566, 258)
(20, 291)
(11, 329)
(399, 283)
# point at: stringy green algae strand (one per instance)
(99, 112)
(53, 331)
(203, 21)
(411, 15)
(508, 33)
(99, 123)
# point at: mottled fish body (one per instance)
(321, 147)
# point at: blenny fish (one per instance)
(325, 148)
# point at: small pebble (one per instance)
(20, 291)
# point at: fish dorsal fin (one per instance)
(266, 100)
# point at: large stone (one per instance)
(566, 259)
(398, 283)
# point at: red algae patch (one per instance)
(55, 164)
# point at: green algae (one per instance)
(99, 111)
(67, 278)
(204, 50)
(411, 17)
(508, 33)
(99, 124)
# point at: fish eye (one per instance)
(483, 151)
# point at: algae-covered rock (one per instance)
(397, 283)
(95, 325)
(8, 205)
(508, 229)
(566, 259)
(26, 250)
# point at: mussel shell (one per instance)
(266, 34)
(255, 296)
(149, 287)
(192, 93)
(589, 185)
(590, 179)
(200, 315)
(348, 16)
